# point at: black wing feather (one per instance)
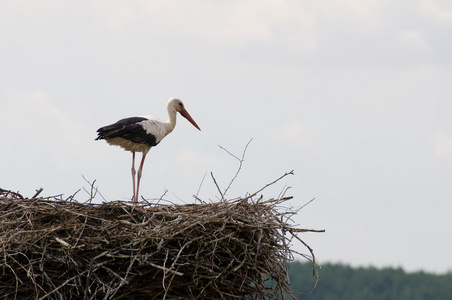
(129, 129)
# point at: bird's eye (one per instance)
(180, 104)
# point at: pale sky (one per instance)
(354, 96)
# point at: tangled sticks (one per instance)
(67, 250)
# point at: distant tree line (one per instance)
(342, 282)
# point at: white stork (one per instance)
(140, 134)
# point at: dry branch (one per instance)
(68, 250)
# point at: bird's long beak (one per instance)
(187, 116)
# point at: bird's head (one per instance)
(178, 105)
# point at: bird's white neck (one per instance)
(171, 123)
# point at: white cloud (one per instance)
(443, 145)
(34, 6)
(34, 122)
(221, 21)
(294, 134)
(440, 10)
(26, 110)
(191, 158)
(413, 39)
(357, 10)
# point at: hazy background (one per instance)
(355, 96)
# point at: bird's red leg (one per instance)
(133, 175)
(139, 177)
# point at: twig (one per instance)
(241, 160)
(163, 195)
(307, 203)
(38, 191)
(284, 192)
(93, 191)
(60, 286)
(10, 194)
(199, 188)
(71, 197)
(269, 184)
(166, 269)
(124, 279)
(216, 184)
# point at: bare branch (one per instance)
(241, 160)
(93, 190)
(307, 203)
(269, 184)
(38, 191)
(200, 185)
(216, 184)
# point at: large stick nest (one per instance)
(67, 250)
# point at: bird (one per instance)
(140, 134)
